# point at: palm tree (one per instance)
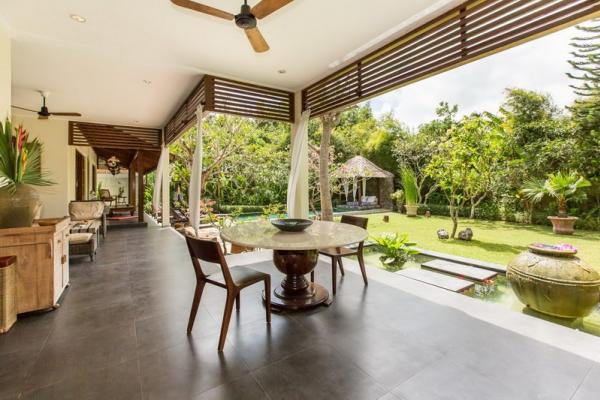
(560, 186)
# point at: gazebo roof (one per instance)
(360, 167)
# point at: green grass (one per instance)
(493, 241)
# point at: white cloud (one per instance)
(539, 65)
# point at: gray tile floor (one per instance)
(120, 334)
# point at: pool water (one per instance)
(498, 291)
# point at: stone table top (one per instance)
(320, 235)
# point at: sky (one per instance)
(540, 65)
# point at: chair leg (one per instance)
(237, 302)
(226, 317)
(312, 276)
(341, 266)
(334, 260)
(268, 298)
(361, 262)
(195, 304)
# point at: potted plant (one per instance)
(398, 198)
(396, 250)
(562, 187)
(20, 167)
(410, 192)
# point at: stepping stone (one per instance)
(464, 260)
(462, 270)
(435, 279)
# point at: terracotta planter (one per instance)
(411, 211)
(563, 225)
(558, 285)
(19, 209)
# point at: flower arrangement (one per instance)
(20, 159)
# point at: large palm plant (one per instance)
(20, 159)
(560, 186)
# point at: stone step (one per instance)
(464, 260)
(461, 270)
(436, 279)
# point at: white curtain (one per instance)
(346, 189)
(354, 189)
(156, 195)
(196, 176)
(299, 147)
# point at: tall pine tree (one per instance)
(586, 109)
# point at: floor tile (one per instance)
(245, 388)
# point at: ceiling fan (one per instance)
(246, 19)
(43, 113)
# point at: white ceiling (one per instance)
(98, 67)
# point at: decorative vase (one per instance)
(18, 209)
(563, 225)
(558, 284)
(411, 211)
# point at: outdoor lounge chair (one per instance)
(88, 216)
(336, 253)
(369, 201)
(233, 280)
(107, 197)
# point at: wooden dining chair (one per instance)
(336, 253)
(233, 280)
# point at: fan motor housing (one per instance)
(245, 19)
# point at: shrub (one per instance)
(396, 250)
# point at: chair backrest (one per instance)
(207, 250)
(361, 222)
(105, 194)
(85, 210)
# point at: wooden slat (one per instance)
(474, 29)
(231, 97)
(114, 136)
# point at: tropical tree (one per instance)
(415, 150)
(469, 163)
(329, 122)
(560, 186)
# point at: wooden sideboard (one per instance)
(42, 263)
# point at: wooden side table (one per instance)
(8, 293)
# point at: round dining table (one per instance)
(295, 254)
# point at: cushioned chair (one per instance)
(233, 280)
(336, 253)
(88, 217)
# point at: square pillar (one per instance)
(166, 191)
(301, 196)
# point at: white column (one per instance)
(5, 73)
(364, 186)
(301, 195)
(166, 190)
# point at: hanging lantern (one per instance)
(113, 165)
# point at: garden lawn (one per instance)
(493, 241)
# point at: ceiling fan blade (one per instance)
(258, 42)
(26, 109)
(66, 114)
(266, 7)
(192, 5)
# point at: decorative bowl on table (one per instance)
(558, 250)
(48, 221)
(291, 224)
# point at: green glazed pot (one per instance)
(562, 286)
(19, 209)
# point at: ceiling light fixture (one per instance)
(78, 18)
(282, 71)
(146, 81)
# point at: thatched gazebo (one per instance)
(358, 168)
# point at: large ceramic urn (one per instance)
(554, 282)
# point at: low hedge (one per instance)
(244, 209)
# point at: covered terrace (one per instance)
(120, 332)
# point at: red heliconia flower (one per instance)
(21, 137)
